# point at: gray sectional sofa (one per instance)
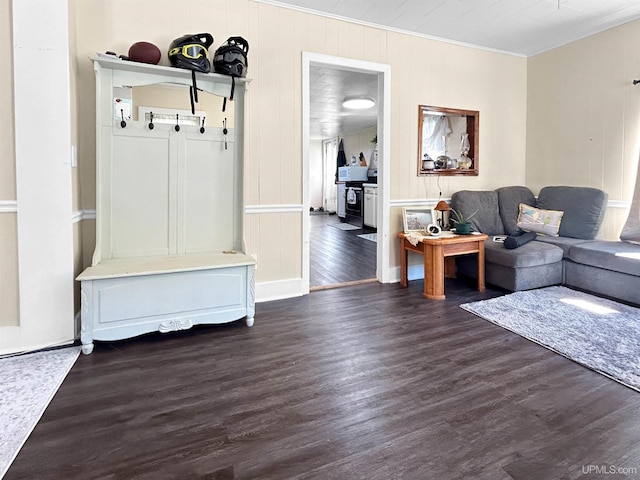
(573, 257)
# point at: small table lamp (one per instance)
(442, 207)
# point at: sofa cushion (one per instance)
(621, 257)
(565, 243)
(532, 254)
(509, 198)
(583, 209)
(546, 222)
(487, 219)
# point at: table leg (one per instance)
(434, 272)
(403, 263)
(481, 285)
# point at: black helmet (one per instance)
(231, 57)
(191, 52)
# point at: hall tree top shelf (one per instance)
(132, 74)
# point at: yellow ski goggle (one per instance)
(193, 50)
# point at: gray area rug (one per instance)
(600, 334)
(343, 226)
(27, 385)
(372, 237)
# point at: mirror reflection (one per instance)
(447, 141)
(165, 99)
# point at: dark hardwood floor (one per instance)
(339, 256)
(364, 382)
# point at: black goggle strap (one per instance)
(233, 88)
(193, 92)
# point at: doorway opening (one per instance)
(345, 219)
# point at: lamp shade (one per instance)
(442, 206)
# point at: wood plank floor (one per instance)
(338, 256)
(364, 382)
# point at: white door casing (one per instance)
(43, 176)
(384, 133)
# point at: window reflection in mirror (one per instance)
(447, 141)
(164, 97)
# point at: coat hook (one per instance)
(225, 131)
(177, 127)
(635, 82)
(202, 127)
(122, 122)
(151, 125)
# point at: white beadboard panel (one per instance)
(145, 171)
(210, 183)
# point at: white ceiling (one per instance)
(328, 88)
(518, 27)
(521, 27)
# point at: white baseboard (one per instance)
(268, 291)
(414, 272)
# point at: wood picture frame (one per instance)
(417, 219)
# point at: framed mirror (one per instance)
(447, 141)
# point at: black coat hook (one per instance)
(177, 127)
(202, 127)
(225, 131)
(151, 125)
(635, 82)
(122, 122)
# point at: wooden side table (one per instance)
(435, 250)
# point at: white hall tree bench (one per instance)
(170, 248)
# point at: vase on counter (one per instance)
(465, 146)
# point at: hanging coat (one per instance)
(342, 158)
(341, 161)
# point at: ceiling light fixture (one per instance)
(358, 103)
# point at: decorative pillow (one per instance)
(546, 222)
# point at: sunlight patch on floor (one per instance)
(589, 306)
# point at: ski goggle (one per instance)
(192, 50)
(230, 57)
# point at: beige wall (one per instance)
(8, 231)
(423, 72)
(7, 153)
(583, 122)
(9, 300)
